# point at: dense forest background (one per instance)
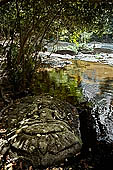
(27, 26)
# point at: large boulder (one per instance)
(43, 130)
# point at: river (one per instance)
(89, 76)
(96, 81)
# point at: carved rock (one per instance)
(44, 131)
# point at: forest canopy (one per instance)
(25, 24)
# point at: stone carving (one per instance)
(47, 130)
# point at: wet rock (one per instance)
(102, 50)
(64, 52)
(44, 130)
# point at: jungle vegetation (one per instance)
(26, 24)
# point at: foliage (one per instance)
(25, 24)
(80, 37)
(75, 37)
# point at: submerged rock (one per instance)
(44, 131)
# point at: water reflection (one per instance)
(58, 82)
(97, 85)
(93, 80)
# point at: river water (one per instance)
(89, 76)
(96, 81)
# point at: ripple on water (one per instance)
(96, 81)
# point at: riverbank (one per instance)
(66, 83)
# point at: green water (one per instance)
(59, 83)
